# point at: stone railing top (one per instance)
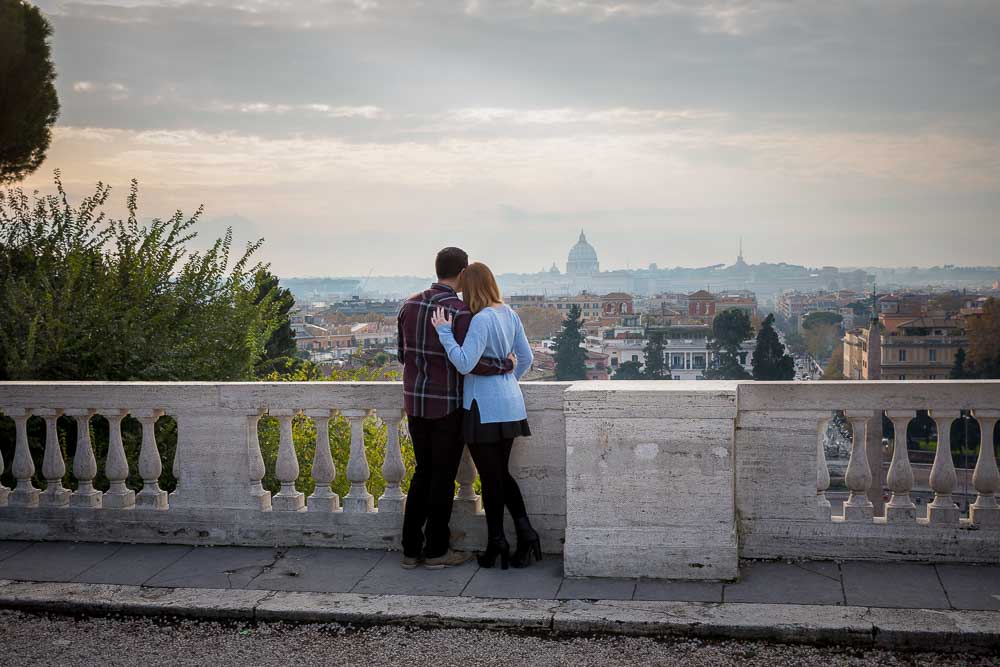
(870, 395)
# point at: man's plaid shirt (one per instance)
(432, 388)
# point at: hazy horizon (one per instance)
(360, 134)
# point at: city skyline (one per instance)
(356, 135)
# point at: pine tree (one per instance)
(769, 359)
(571, 358)
(656, 365)
(29, 105)
(628, 370)
(729, 329)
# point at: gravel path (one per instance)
(30, 640)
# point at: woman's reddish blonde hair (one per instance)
(479, 287)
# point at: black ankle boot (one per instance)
(496, 546)
(528, 544)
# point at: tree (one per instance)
(657, 367)
(983, 331)
(629, 370)
(958, 370)
(834, 369)
(729, 329)
(769, 359)
(85, 297)
(280, 351)
(540, 322)
(821, 318)
(571, 358)
(29, 105)
(821, 340)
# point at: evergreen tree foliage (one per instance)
(280, 349)
(629, 370)
(769, 359)
(657, 367)
(729, 329)
(571, 358)
(29, 105)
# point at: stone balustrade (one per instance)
(653, 479)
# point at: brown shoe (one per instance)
(409, 562)
(449, 559)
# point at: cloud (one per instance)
(113, 90)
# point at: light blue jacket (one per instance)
(495, 332)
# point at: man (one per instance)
(432, 393)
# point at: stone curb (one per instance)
(914, 629)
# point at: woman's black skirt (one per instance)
(475, 430)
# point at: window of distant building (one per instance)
(902, 355)
(635, 357)
(932, 355)
(902, 377)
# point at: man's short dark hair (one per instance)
(450, 262)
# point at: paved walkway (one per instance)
(860, 584)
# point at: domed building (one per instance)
(582, 259)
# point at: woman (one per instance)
(495, 412)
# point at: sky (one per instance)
(364, 135)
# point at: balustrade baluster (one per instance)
(323, 499)
(985, 512)
(358, 499)
(53, 465)
(118, 496)
(256, 462)
(858, 475)
(23, 467)
(943, 478)
(150, 466)
(4, 491)
(393, 500)
(822, 470)
(84, 463)
(900, 476)
(288, 499)
(467, 501)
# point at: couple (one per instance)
(460, 388)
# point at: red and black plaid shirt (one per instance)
(432, 388)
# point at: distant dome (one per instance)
(554, 270)
(582, 258)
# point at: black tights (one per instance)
(492, 460)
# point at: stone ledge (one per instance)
(916, 629)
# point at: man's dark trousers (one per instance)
(437, 447)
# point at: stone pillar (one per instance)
(900, 477)
(213, 462)
(393, 500)
(358, 499)
(288, 499)
(23, 468)
(985, 512)
(649, 480)
(118, 496)
(150, 467)
(323, 499)
(943, 478)
(53, 464)
(858, 476)
(84, 464)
